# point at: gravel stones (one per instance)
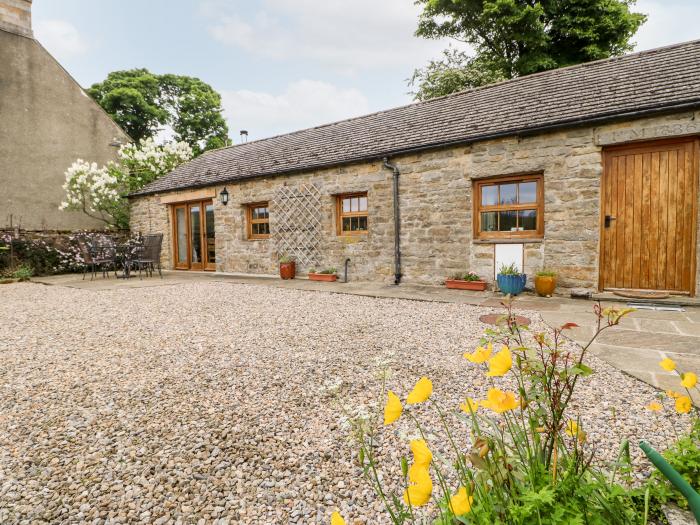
(224, 403)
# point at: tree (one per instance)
(100, 192)
(142, 103)
(512, 38)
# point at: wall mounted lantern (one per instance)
(223, 196)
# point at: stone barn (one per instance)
(590, 170)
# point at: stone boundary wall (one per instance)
(436, 208)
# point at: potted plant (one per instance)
(510, 280)
(466, 281)
(545, 283)
(288, 267)
(327, 275)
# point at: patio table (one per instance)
(127, 253)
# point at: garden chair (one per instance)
(148, 258)
(104, 255)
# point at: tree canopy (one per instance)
(512, 38)
(142, 103)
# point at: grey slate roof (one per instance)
(663, 79)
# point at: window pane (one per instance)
(346, 224)
(362, 223)
(527, 219)
(346, 205)
(489, 195)
(265, 228)
(355, 204)
(181, 235)
(363, 203)
(262, 213)
(509, 194)
(528, 192)
(507, 221)
(254, 228)
(254, 213)
(489, 221)
(195, 235)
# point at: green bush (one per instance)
(23, 272)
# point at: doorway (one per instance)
(194, 235)
(648, 222)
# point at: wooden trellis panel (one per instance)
(297, 223)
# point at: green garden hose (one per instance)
(674, 477)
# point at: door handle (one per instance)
(608, 220)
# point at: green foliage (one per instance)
(546, 273)
(23, 272)
(285, 259)
(509, 269)
(467, 276)
(328, 271)
(142, 103)
(684, 456)
(512, 38)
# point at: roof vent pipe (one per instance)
(244, 136)
(397, 221)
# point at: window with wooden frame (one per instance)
(258, 220)
(351, 210)
(509, 207)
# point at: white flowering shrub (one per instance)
(100, 192)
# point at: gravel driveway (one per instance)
(214, 401)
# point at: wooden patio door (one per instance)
(648, 222)
(194, 236)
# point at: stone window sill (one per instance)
(508, 241)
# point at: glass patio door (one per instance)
(194, 238)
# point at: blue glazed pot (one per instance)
(511, 284)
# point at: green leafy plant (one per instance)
(509, 269)
(467, 276)
(23, 272)
(529, 461)
(328, 271)
(286, 259)
(546, 273)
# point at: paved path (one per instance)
(644, 338)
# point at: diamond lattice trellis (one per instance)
(297, 229)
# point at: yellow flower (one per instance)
(392, 409)
(499, 401)
(480, 355)
(421, 453)
(654, 406)
(461, 503)
(689, 380)
(572, 428)
(420, 392)
(672, 394)
(668, 364)
(683, 405)
(419, 491)
(500, 363)
(337, 519)
(469, 406)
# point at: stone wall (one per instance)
(436, 209)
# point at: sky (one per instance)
(280, 65)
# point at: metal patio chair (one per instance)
(148, 256)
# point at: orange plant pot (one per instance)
(458, 284)
(545, 285)
(326, 277)
(288, 270)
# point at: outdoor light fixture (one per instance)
(223, 196)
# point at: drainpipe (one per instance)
(397, 221)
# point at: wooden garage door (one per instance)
(648, 209)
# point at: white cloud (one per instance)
(61, 38)
(668, 22)
(345, 36)
(303, 104)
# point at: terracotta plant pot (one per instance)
(458, 284)
(326, 277)
(545, 285)
(288, 270)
